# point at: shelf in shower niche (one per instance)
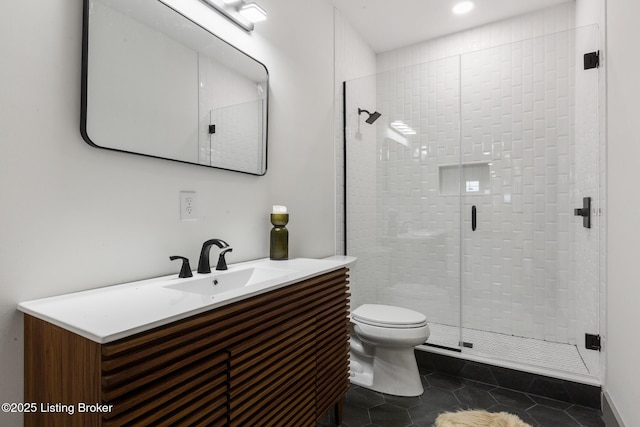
(476, 179)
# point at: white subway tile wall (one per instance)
(237, 141)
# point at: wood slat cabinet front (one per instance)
(277, 359)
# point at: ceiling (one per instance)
(390, 24)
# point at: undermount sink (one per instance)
(220, 282)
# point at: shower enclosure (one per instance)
(461, 198)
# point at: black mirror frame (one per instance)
(84, 88)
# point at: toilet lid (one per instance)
(388, 316)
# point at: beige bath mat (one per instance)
(479, 419)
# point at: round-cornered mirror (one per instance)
(157, 84)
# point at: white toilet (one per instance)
(382, 357)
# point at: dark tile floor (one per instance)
(442, 393)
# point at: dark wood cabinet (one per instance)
(276, 359)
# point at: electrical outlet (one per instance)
(188, 211)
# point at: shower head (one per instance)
(372, 116)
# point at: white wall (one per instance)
(74, 217)
(623, 313)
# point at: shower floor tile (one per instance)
(526, 351)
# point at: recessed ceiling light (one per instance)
(462, 7)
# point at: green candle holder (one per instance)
(279, 236)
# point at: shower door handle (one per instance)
(584, 212)
(473, 218)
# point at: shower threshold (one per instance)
(540, 357)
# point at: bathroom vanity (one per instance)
(273, 352)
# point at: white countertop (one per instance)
(114, 312)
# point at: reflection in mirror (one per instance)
(157, 84)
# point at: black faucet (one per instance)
(185, 270)
(203, 264)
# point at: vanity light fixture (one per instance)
(253, 12)
(462, 7)
(237, 11)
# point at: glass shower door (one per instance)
(530, 153)
(402, 192)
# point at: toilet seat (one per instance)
(387, 316)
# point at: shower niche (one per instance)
(470, 178)
(469, 218)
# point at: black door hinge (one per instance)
(592, 342)
(212, 129)
(591, 60)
